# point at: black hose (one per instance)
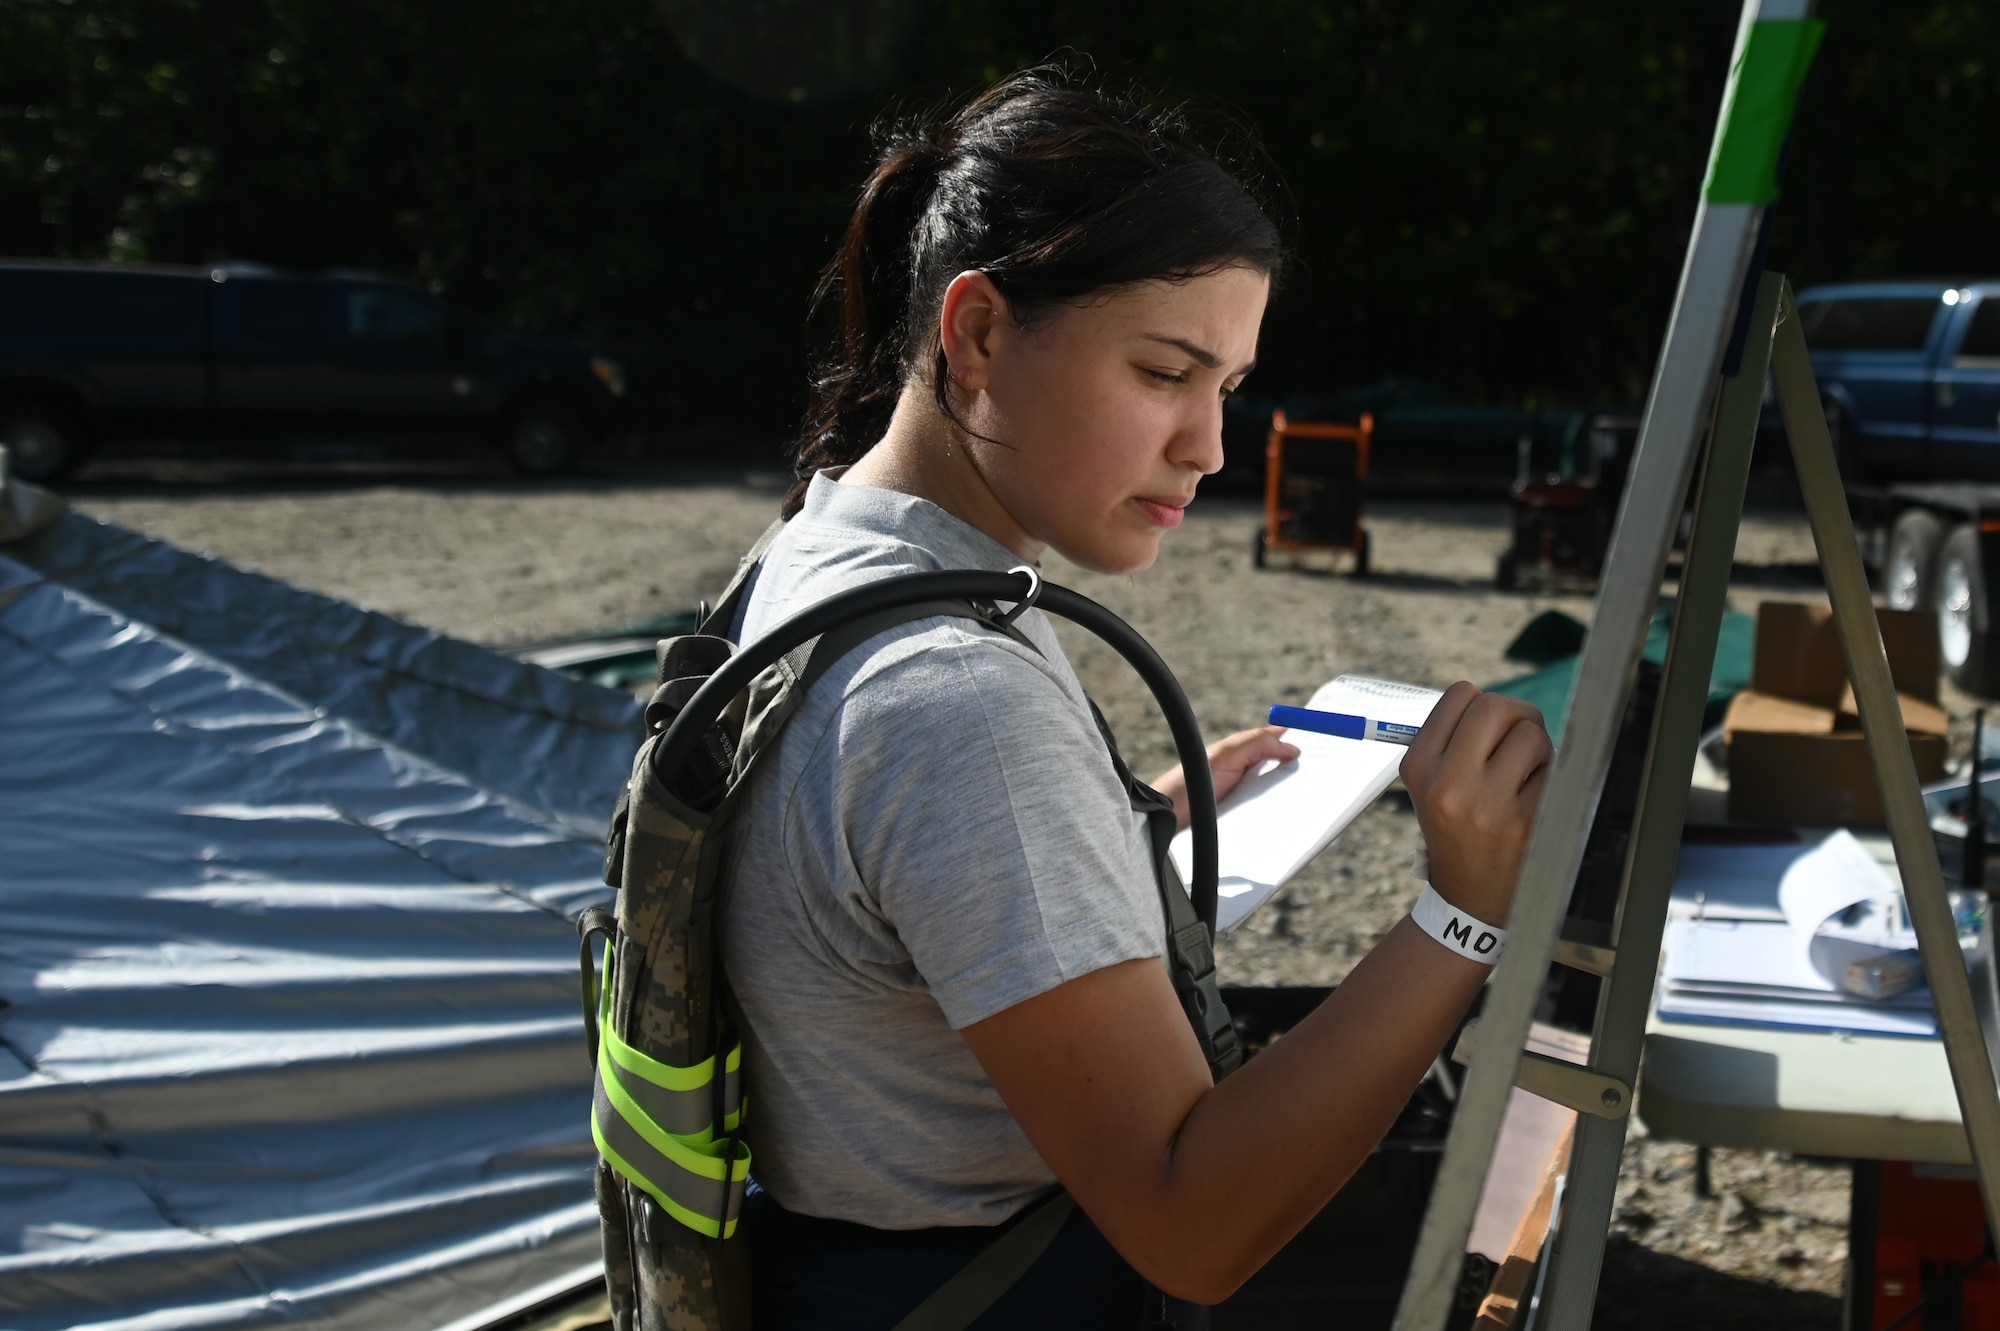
(754, 658)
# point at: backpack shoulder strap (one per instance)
(979, 1284)
(717, 620)
(778, 693)
(1190, 947)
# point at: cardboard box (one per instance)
(1919, 717)
(1798, 652)
(1796, 753)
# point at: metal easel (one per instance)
(1695, 392)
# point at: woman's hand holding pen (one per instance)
(1230, 760)
(1475, 775)
(1108, 1083)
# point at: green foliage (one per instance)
(1893, 166)
(1490, 197)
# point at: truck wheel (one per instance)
(1909, 575)
(43, 443)
(543, 441)
(1361, 556)
(1965, 629)
(1506, 573)
(1258, 551)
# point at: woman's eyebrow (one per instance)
(1201, 355)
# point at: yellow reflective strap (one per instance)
(697, 1156)
(694, 1220)
(667, 1076)
(687, 1115)
(709, 1163)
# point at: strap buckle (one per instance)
(1027, 602)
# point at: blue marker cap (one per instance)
(1338, 724)
(1342, 725)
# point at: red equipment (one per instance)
(1562, 522)
(1918, 1254)
(1315, 478)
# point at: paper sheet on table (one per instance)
(1754, 973)
(1778, 967)
(1733, 882)
(1752, 959)
(1826, 880)
(1279, 818)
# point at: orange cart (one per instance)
(1315, 477)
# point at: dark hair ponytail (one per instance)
(1051, 187)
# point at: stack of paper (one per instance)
(1278, 818)
(1759, 935)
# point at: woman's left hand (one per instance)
(1230, 760)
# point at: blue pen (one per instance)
(1342, 725)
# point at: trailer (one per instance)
(1936, 546)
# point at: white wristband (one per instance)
(1470, 938)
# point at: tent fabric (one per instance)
(532, 735)
(1549, 688)
(291, 1031)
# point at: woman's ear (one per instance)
(974, 310)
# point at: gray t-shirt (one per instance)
(937, 836)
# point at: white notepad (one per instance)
(1278, 818)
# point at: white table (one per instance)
(1807, 1092)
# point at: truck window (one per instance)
(1869, 323)
(385, 316)
(290, 312)
(142, 306)
(1982, 339)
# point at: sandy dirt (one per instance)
(501, 562)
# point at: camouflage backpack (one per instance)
(665, 1041)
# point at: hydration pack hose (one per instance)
(702, 710)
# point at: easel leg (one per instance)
(1677, 409)
(1654, 855)
(1889, 749)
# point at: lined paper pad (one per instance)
(1280, 817)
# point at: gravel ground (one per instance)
(501, 562)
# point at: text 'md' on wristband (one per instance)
(1471, 938)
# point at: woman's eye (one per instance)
(1168, 378)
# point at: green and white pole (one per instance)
(1774, 46)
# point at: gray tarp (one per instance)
(292, 1032)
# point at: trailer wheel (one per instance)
(1965, 628)
(1361, 556)
(1909, 574)
(1259, 551)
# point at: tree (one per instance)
(1494, 199)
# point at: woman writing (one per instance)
(942, 923)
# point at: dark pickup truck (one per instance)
(1909, 377)
(97, 354)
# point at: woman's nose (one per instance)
(1199, 441)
